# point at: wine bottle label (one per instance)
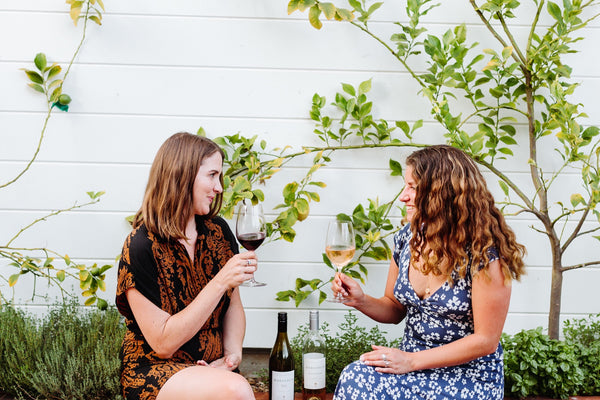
(313, 367)
(282, 387)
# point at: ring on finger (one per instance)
(384, 357)
(387, 363)
(248, 262)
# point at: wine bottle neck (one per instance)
(282, 322)
(314, 321)
(282, 327)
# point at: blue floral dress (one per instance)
(442, 318)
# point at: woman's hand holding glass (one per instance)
(339, 247)
(238, 269)
(348, 289)
(251, 231)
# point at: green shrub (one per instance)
(350, 341)
(70, 354)
(584, 334)
(535, 365)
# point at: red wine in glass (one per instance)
(251, 241)
(251, 230)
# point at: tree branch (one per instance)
(582, 265)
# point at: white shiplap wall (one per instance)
(155, 68)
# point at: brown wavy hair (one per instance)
(455, 214)
(168, 203)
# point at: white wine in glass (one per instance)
(251, 231)
(339, 247)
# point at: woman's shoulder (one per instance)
(212, 224)
(139, 237)
(138, 242)
(492, 254)
(403, 235)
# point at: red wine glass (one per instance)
(251, 231)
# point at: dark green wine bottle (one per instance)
(281, 364)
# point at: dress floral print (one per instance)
(442, 318)
(163, 272)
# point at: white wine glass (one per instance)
(250, 231)
(339, 247)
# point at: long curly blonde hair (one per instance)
(456, 220)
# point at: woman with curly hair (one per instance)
(449, 280)
(178, 282)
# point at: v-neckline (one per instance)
(412, 288)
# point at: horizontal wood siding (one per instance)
(155, 68)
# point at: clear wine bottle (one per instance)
(313, 361)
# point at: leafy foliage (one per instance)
(44, 263)
(536, 365)
(69, 354)
(584, 333)
(486, 100)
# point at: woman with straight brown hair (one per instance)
(449, 280)
(178, 282)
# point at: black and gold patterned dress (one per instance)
(162, 271)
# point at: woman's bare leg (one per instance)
(199, 382)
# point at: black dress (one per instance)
(162, 271)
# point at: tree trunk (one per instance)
(555, 292)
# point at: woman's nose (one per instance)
(403, 196)
(218, 188)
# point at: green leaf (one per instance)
(12, 280)
(97, 19)
(364, 87)
(418, 124)
(404, 126)
(554, 10)
(322, 296)
(40, 61)
(576, 199)
(293, 5)
(60, 275)
(34, 76)
(506, 52)
(344, 15)
(348, 89)
(328, 9)
(75, 11)
(304, 4)
(289, 192)
(53, 71)
(396, 168)
(504, 187)
(509, 129)
(374, 7)
(36, 87)
(313, 17)
(284, 295)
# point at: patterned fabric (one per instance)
(442, 318)
(162, 271)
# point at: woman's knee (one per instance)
(206, 383)
(238, 388)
